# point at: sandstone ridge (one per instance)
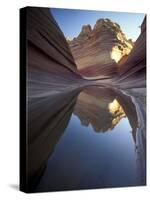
(97, 51)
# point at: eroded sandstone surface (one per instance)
(51, 67)
(97, 51)
(57, 72)
(132, 69)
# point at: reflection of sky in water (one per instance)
(95, 143)
(83, 158)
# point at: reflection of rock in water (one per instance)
(117, 111)
(130, 111)
(139, 100)
(48, 117)
(104, 108)
(100, 108)
(92, 108)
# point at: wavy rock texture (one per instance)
(48, 118)
(49, 60)
(132, 68)
(97, 51)
(52, 80)
(54, 83)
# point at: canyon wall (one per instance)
(96, 52)
(100, 53)
(132, 68)
(50, 64)
(54, 79)
(51, 81)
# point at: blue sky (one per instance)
(70, 21)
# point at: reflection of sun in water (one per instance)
(117, 111)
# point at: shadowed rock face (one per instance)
(97, 51)
(50, 64)
(44, 34)
(132, 68)
(52, 81)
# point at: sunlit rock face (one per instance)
(117, 53)
(97, 51)
(132, 68)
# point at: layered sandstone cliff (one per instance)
(49, 60)
(96, 51)
(52, 81)
(132, 69)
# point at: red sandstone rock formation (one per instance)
(51, 80)
(132, 69)
(97, 51)
(50, 64)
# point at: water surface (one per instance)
(93, 139)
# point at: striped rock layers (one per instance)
(97, 51)
(132, 69)
(49, 60)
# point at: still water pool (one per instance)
(98, 146)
